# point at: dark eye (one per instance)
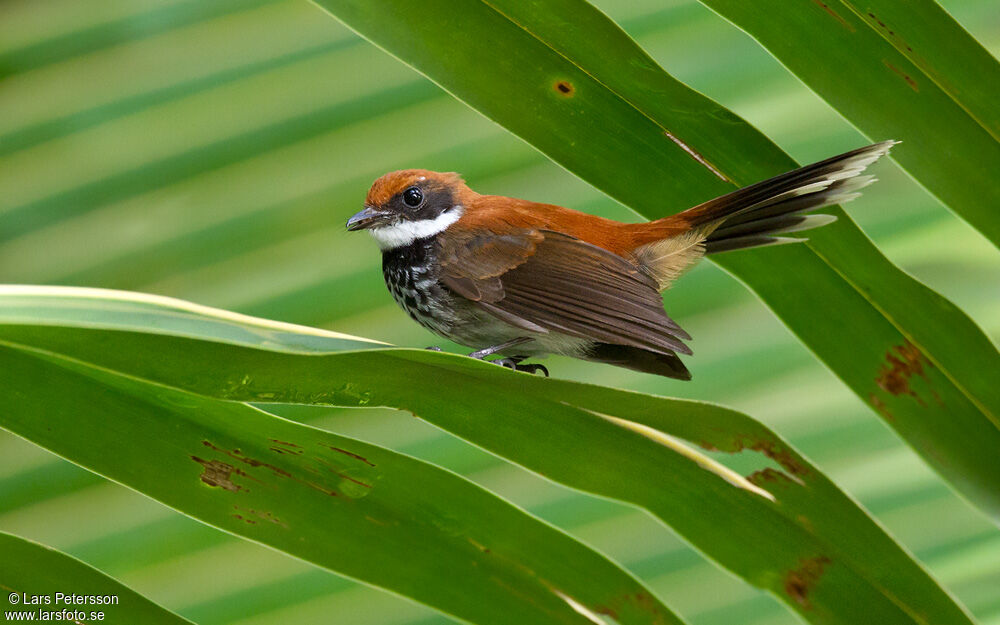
(413, 197)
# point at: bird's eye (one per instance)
(413, 197)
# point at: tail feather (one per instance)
(754, 216)
(637, 359)
(760, 232)
(838, 192)
(779, 224)
(727, 220)
(742, 243)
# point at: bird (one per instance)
(521, 279)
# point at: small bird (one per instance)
(521, 279)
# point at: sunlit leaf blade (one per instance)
(905, 70)
(586, 95)
(782, 526)
(360, 510)
(30, 570)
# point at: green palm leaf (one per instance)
(29, 570)
(798, 535)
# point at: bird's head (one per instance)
(411, 204)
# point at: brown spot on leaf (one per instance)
(284, 447)
(834, 15)
(348, 453)
(236, 454)
(767, 475)
(774, 450)
(912, 83)
(780, 454)
(336, 470)
(351, 479)
(218, 474)
(800, 581)
(259, 514)
(902, 362)
(605, 610)
(282, 450)
(880, 406)
(239, 455)
(890, 31)
(564, 88)
(644, 601)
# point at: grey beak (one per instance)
(368, 218)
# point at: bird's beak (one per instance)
(368, 218)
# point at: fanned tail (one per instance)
(753, 216)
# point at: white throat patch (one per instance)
(406, 232)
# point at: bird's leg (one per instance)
(512, 362)
(489, 351)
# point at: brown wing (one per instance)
(471, 263)
(548, 280)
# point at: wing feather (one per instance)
(550, 280)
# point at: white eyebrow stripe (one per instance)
(406, 232)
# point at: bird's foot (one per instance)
(533, 369)
(511, 362)
(515, 364)
(433, 348)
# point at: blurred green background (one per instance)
(212, 150)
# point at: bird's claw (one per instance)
(433, 348)
(532, 369)
(514, 363)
